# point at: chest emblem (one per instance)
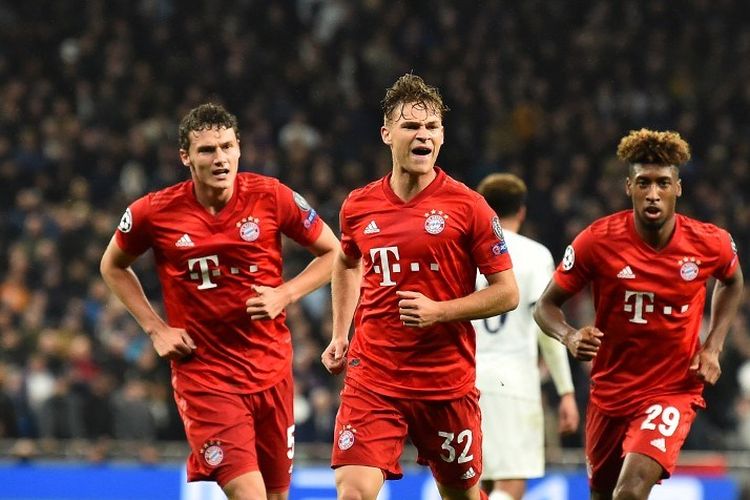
(435, 221)
(249, 228)
(689, 268)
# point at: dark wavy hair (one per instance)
(205, 116)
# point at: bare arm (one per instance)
(499, 297)
(345, 285)
(582, 343)
(270, 301)
(725, 300)
(119, 276)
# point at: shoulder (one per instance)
(169, 197)
(526, 246)
(257, 183)
(367, 194)
(460, 190)
(698, 232)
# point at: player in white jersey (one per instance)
(507, 360)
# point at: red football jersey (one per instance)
(432, 244)
(649, 304)
(206, 265)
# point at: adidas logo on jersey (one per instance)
(372, 228)
(626, 273)
(468, 474)
(659, 444)
(184, 241)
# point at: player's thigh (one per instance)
(358, 481)
(512, 437)
(249, 485)
(604, 455)
(220, 430)
(274, 424)
(448, 437)
(638, 475)
(659, 429)
(370, 431)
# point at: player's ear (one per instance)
(385, 134)
(184, 157)
(679, 187)
(628, 189)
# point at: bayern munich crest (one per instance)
(689, 268)
(249, 228)
(435, 221)
(213, 453)
(346, 438)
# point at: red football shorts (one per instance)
(658, 430)
(371, 430)
(231, 434)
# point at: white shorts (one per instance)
(513, 437)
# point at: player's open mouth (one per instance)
(220, 172)
(421, 151)
(652, 211)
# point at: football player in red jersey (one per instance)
(647, 268)
(217, 243)
(411, 244)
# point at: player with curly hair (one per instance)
(648, 269)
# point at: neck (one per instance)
(512, 224)
(407, 185)
(656, 238)
(212, 199)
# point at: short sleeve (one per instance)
(488, 245)
(133, 234)
(576, 267)
(348, 245)
(728, 258)
(297, 219)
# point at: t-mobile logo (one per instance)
(385, 267)
(205, 271)
(638, 305)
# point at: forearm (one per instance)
(556, 358)
(551, 320)
(345, 289)
(126, 286)
(494, 300)
(316, 274)
(724, 304)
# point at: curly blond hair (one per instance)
(412, 88)
(655, 147)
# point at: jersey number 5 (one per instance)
(464, 436)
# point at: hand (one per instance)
(705, 366)
(418, 311)
(172, 343)
(334, 356)
(583, 344)
(268, 303)
(568, 417)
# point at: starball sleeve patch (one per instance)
(126, 222)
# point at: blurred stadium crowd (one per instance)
(91, 92)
